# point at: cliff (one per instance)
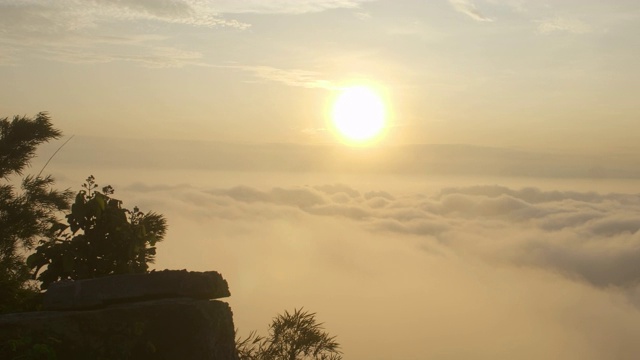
(158, 315)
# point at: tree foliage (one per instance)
(292, 336)
(19, 139)
(100, 238)
(28, 213)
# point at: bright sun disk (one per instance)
(358, 113)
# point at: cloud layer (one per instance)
(468, 8)
(290, 77)
(115, 30)
(562, 24)
(466, 268)
(586, 237)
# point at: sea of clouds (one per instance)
(399, 261)
(584, 236)
(480, 271)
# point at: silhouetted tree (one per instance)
(100, 238)
(26, 215)
(292, 336)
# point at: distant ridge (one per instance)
(417, 159)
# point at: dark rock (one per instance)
(165, 329)
(100, 292)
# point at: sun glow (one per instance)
(358, 114)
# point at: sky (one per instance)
(495, 217)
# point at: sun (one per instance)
(358, 114)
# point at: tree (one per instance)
(26, 216)
(292, 336)
(100, 238)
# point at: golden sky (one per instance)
(495, 217)
(533, 74)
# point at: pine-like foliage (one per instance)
(26, 214)
(19, 139)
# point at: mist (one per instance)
(412, 267)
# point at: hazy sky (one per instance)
(496, 218)
(532, 74)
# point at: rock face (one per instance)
(94, 293)
(161, 315)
